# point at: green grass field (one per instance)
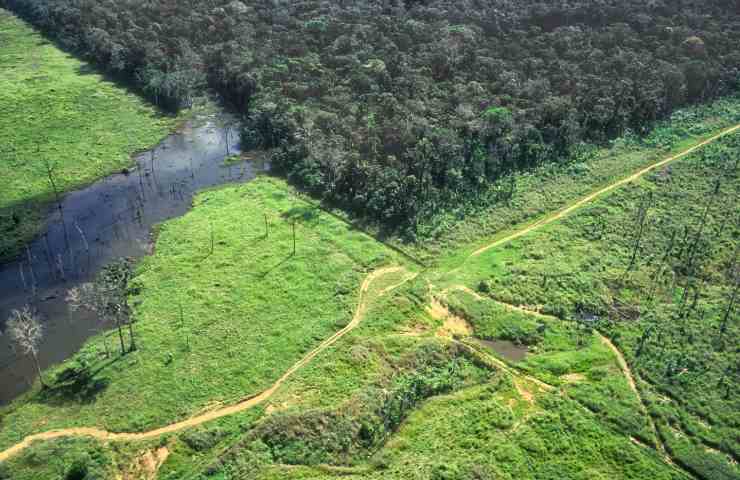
(216, 320)
(669, 309)
(56, 110)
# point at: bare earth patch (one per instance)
(453, 325)
(146, 465)
(521, 389)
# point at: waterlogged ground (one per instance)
(110, 219)
(204, 294)
(57, 112)
(90, 130)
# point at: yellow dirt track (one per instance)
(245, 404)
(360, 310)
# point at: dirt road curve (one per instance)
(245, 404)
(356, 319)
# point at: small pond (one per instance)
(506, 349)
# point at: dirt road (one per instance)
(246, 404)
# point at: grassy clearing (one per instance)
(221, 312)
(551, 187)
(486, 428)
(55, 109)
(663, 295)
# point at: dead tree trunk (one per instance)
(38, 368)
(641, 217)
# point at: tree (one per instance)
(27, 332)
(107, 296)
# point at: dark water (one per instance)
(103, 222)
(506, 349)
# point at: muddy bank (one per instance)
(110, 219)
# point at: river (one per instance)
(108, 220)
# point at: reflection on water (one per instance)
(105, 221)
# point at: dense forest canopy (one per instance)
(396, 110)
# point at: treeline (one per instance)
(396, 110)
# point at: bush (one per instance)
(202, 439)
(78, 470)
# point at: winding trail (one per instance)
(360, 311)
(621, 362)
(246, 404)
(592, 196)
(626, 370)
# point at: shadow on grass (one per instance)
(276, 266)
(76, 387)
(87, 69)
(304, 213)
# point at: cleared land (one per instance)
(590, 381)
(654, 266)
(57, 112)
(222, 311)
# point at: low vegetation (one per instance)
(63, 126)
(221, 310)
(654, 266)
(492, 424)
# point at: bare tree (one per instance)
(79, 298)
(26, 331)
(107, 296)
(642, 215)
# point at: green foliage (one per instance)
(202, 439)
(62, 459)
(497, 114)
(526, 81)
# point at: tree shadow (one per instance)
(87, 69)
(74, 385)
(305, 213)
(275, 267)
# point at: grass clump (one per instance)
(63, 459)
(59, 114)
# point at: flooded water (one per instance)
(108, 220)
(506, 349)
